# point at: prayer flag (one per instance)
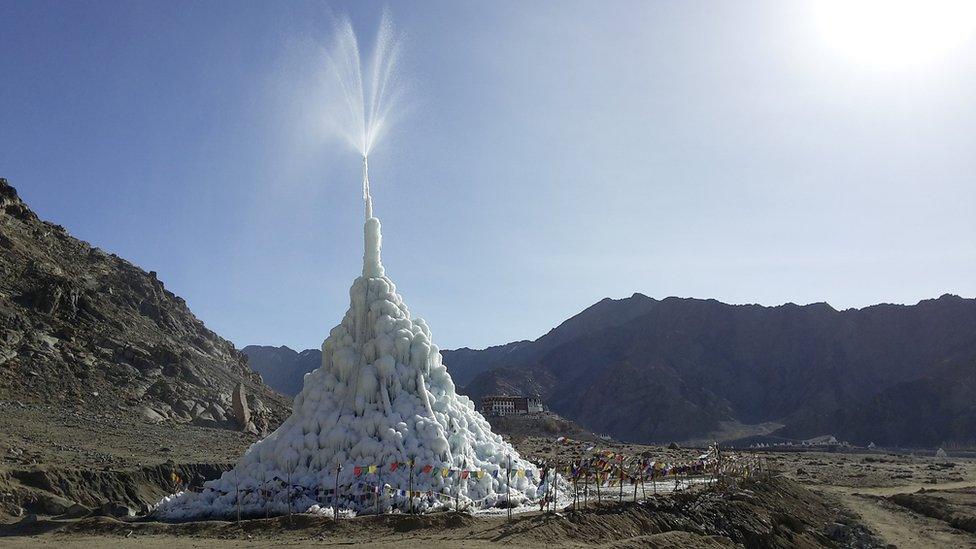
(427, 468)
(464, 474)
(393, 466)
(357, 470)
(372, 469)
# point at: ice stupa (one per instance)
(384, 409)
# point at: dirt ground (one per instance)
(812, 499)
(45, 435)
(769, 512)
(884, 491)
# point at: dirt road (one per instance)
(903, 528)
(898, 525)
(885, 491)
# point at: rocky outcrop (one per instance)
(241, 411)
(84, 329)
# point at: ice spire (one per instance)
(367, 196)
(372, 265)
(381, 401)
(380, 420)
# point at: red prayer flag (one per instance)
(394, 465)
(357, 470)
(427, 468)
(464, 474)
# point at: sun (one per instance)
(895, 33)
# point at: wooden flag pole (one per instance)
(599, 498)
(457, 489)
(586, 487)
(288, 496)
(643, 473)
(376, 492)
(575, 487)
(237, 493)
(653, 476)
(267, 504)
(718, 465)
(410, 487)
(508, 488)
(634, 480)
(555, 487)
(620, 497)
(335, 494)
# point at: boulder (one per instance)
(239, 404)
(150, 415)
(50, 504)
(163, 409)
(77, 511)
(838, 532)
(218, 413)
(115, 509)
(184, 406)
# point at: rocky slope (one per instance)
(656, 370)
(469, 363)
(85, 330)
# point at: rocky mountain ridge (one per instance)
(649, 370)
(656, 370)
(282, 368)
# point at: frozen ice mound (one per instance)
(382, 396)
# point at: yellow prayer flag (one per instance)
(371, 469)
(480, 474)
(445, 471)
(520, 473)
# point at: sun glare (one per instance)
(895, 33)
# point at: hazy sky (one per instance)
(553, 153)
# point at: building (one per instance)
(501, 405)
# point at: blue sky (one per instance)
(552, 154)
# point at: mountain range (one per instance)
(649, 370)
(84, 329)
(282, 368)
